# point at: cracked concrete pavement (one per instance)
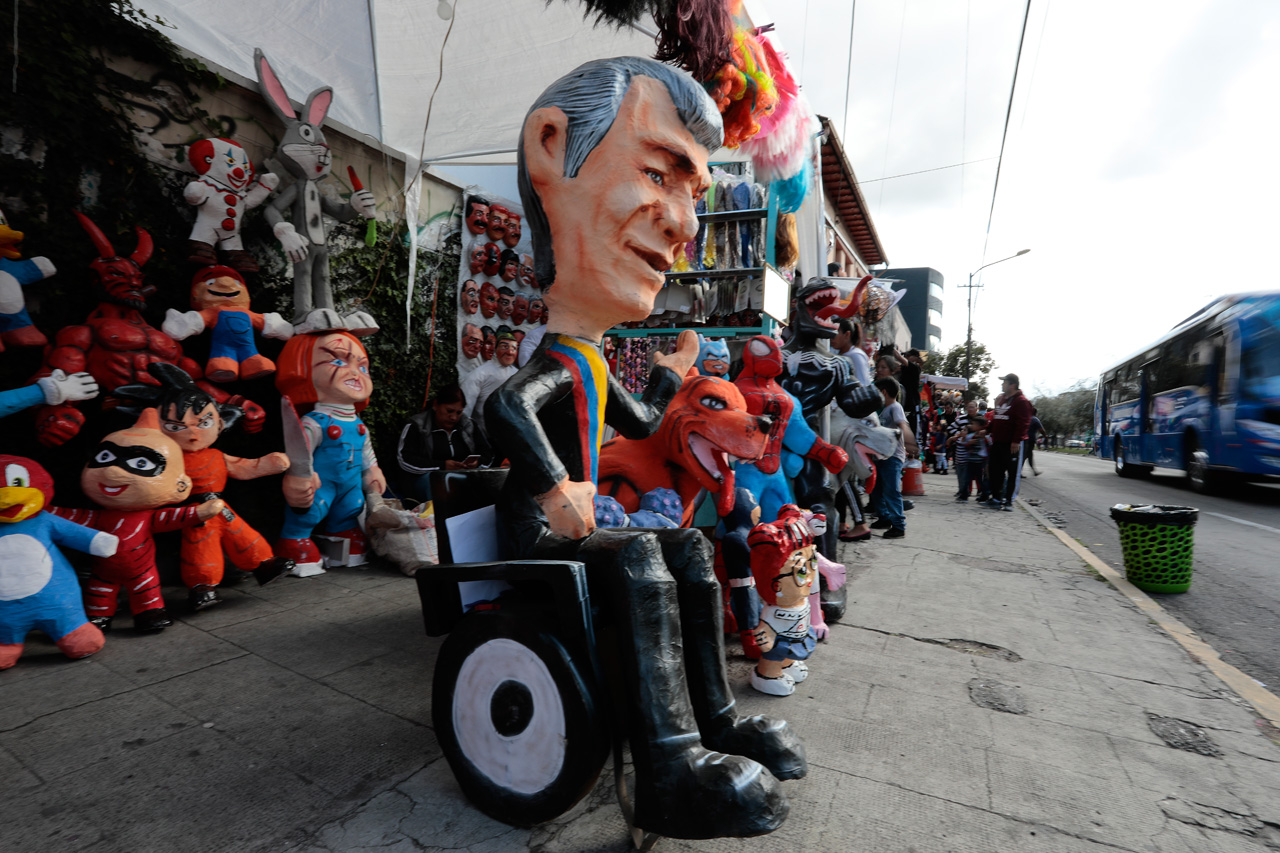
(985, 692)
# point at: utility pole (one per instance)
(968, 343)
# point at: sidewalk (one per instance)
(296, 718)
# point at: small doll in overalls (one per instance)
(330, 370)
(784, 567)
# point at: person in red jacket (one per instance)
(1008, 429)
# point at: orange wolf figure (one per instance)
(705, 430)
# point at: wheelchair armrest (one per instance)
(565, 579)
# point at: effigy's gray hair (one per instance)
(590, 97)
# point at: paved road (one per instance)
(1234, 601)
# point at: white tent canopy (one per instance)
(383, 58)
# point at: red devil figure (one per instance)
(116, 343)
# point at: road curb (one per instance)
(1266, 703)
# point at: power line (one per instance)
(848, 77)
(1005, 135)
(925, 171)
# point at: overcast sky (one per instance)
(1140, 168)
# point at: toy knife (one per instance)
(295, 440)
(371, 230)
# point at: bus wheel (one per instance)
(1117, 453)
(517, 718)
(1200, 477)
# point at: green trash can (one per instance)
(1157, 541)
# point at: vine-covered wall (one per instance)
(104, 108)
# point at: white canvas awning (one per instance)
(383, 58)
(957, 383)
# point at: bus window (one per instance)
(1218, 350)
(1260, 361)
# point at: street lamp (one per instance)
(968, 344)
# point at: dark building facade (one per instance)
(922, 306)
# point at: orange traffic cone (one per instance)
(912, 479)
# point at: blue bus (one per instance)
(1204, 399)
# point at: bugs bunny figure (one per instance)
(304, 154)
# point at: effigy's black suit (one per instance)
(657, 590)
(817, 377)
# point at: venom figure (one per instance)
(816, 377)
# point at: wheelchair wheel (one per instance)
(517, 718)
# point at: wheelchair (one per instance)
(519, 700)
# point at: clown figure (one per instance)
(332, 371)
(131, 475)
(226, 187)
(194, 420)
(784, 569)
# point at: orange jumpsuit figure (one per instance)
(194, 420)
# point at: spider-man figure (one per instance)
(762, 364)
(116, 343)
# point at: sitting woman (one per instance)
(440, 436)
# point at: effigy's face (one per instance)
(795, 582)
(618, 224)
(340, 370)
(470, 297)
(135, 469)
(512, 237)
(193, 430)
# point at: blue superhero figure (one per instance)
(713, 357)
(332, 464)
(15, 324)
(38, 587)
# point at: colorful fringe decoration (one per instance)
(743, 89)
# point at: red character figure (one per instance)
(131, 474)
(477, 214)
(520, 309)
(488, 300)
(116, 343)
(225, 189)
(492, 259)
(537, 311)
(512, 237)
(221, 302)
(497, 225)
(489, 345)
(784, 567)
(194, 420)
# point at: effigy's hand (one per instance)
(685, 355)
(570, 508)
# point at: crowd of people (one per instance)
(986, 447)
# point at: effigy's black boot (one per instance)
(769, 741)
(682, 789)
